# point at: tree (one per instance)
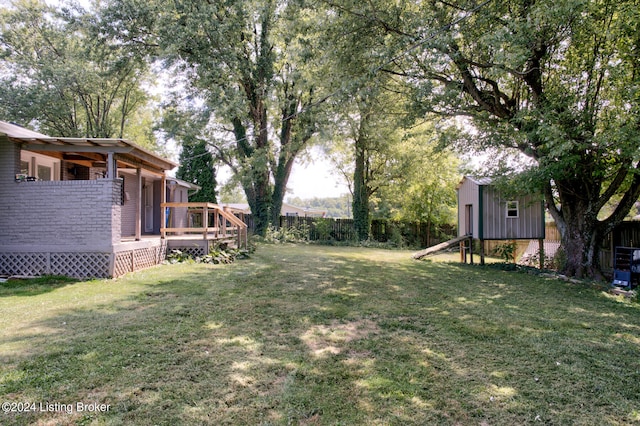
(61, 75)
(424, 190)
(556, 81)
(196, 161)
(196, 166)
(369, 114)
(248, 62)
(364, 138)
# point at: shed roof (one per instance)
(127, 153)
(480, 181)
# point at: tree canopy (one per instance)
(554, 80)
(248, 63)
(60, 74)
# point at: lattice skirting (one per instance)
(133, 260)
(77, 265)
(81, 265)
(193, 251)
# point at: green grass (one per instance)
(308, 335)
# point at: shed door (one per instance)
(468, 219)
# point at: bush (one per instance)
(507, 251)
(216, 256)
(323, 228)
(299, 234)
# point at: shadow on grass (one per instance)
(333, 336)
(33, 286)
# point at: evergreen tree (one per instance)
(196, 166)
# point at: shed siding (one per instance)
(468, 194)
(496, 225)
(490, 220)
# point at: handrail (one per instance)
(237, 225)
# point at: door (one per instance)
(468, 219)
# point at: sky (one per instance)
(312, 178)
(315, 178)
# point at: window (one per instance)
(39, 166)
(512, 209)
(44, 172)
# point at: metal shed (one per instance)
(486, 214)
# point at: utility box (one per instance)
(626, 267)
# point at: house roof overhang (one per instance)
(87, 150)
(179, 182)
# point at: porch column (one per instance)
(205, 220)
(139, 205)
(112, 171)
(163, 208)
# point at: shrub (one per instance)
(216, 256)
(299, 234)
(507, 251)
(323, 228)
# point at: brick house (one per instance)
(83, 207)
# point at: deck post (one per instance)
(163, 209)
(541, 252)
(139, 204)
(205, 221)
(216, 223)
(112, 166)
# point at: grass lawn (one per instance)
(308, 335)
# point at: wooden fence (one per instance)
(413, 234)
(417, 234)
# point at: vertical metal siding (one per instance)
(528, 224)
(468, 193)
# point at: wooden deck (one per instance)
(194, 223)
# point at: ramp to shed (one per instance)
(439, 247)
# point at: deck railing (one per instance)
(210, 220)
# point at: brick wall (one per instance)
(9, 160)
(59, 215)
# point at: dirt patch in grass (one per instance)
(323, 340)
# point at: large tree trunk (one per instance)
(360, 194)
(283, 171)
(576, 216)
(580, 241)
(259, 204)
